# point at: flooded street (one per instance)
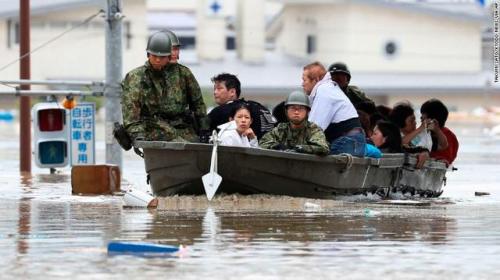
(45, 232)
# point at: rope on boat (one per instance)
(348, 163)
(366, 176)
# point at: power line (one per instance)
(85, 21)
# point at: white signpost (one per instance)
(82, 134)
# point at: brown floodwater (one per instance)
(46, 232)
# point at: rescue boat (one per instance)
(176, 169)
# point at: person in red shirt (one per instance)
(435, 109)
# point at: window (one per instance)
(390, 49)
(127, 35)
(12, 33)
(187, 42)
(311, 44)
(230, 43)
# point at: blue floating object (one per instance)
(6, 116)
(119, 247)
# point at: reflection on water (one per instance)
(61, 237)
(346, 225)
(46, 232)
(24, 228)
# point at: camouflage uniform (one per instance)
(163, 105)
(309, 139)
(356, 95)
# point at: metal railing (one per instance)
(55, 82)
(22, 92)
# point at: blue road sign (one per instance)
(83, 134)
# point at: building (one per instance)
(80, 53)
(396, 50)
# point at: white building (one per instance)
(78, 54)
(395, 49)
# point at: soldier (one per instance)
(162, 101)
(342, 76)
(298, 134)
(176, 45)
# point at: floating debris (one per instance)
(405, 202)
(481, 193)
(369, 213)
(137, 198)
(6, 116)
(142, 248)
(311, 206)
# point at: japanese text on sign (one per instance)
(82, 134)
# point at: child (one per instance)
(436, 111)
(237, 131)
(386, 138)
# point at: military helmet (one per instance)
(339, 67)
(173, 38)
(159, 44)
(298, 98)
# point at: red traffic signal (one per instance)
(51, 119)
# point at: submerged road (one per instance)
(46, 232)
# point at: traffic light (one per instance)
(51, 134)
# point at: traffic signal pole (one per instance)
(25, 73)
(112, 92)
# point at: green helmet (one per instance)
(173, 38)
(339, 67)
(159, 44)
(298, 98)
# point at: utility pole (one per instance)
(112, 92)
(25, 73)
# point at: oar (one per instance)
(212, 180)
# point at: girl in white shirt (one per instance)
(237, 131)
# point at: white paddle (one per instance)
(212, 180)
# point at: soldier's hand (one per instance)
(299, 149)
(279, 147)
(122, 137)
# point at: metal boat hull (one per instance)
(177, 168)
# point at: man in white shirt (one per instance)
(333, 112)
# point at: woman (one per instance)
(417, 140)
(386, 138)
(237, 131)
(403, 116)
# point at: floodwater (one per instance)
(45, 232)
